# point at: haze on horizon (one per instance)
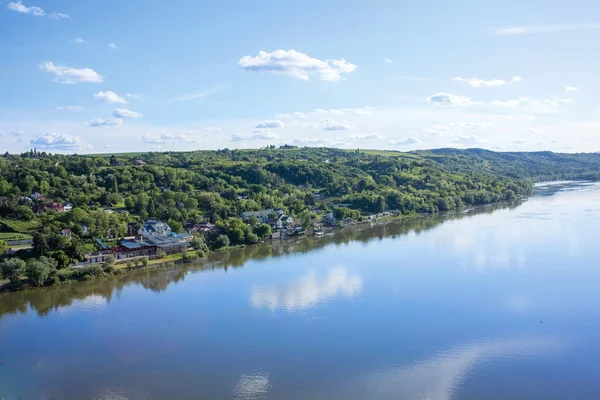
(113, 76)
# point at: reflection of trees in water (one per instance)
(44, 300)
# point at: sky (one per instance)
(104, 76)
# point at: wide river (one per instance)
(499, 303)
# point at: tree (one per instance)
(252, 221)
(145, 261)
(305, 217)
(175, 226)
(263, 230)
(12, 269)
(198, 243)
(40, 270)
(222, 241)
(252, 238)
(115, 185)
(152, 209)
(3, 247)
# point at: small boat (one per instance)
(318, 232)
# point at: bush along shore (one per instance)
(74, 217)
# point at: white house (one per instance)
(154, 229)
(262, 216)
(67, 206)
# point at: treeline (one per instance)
(112, 195)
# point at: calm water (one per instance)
(499, 303)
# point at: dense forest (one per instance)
(110, 194)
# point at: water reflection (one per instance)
(308, 291)
(61, 297)
(438, 378)
(252, 387)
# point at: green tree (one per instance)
(3, 247)
(305, 217)
(40, 270)
(152, 209)
(115, 185)
(12, 269)
(252, 221)
(222, 241)
(263, 230)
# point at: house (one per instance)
(286, 220)
(275, 223)
(3, 199)
(36, 196)
(329, 216)
(66, 232)
(202, 227)
(67, 207)
(154, 229)
(85, 231)
(262, 215)
(141, 163)
(56, 207)
(24, 200)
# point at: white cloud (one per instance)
(297, 65)
(389, 61)
(69, 75)
(307, 291)
(80, 41)
(367, 136)
(571, 89)
(109, 97)
(471, 125)
(405, 141)
(270, 124)
(468, 140)
(132, 95)
(112, 46)
(108, 146)
(19, 7)
(533, 130)
(541, 105)
(171, 137)
(316, 142)
(531, 29)
(59, 15)
(70, 108)
(258, 134)
(124, 113)
(57, 141)
(332, 125)
(477, 83)
(518, 142)
(363, 112)
(99, 122)
(447, 99)
(197, 95)
(584, 124)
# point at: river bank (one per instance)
(237, 256)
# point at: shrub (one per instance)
(64, 274)
(144, 261)
(129, 263)
(160, 253)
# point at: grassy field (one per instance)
(20, 226)
(14, 236)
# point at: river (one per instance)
(493, 303)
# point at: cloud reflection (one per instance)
(252, 387)
(437, 378)
(308, 291)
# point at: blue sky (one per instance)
(107, 75)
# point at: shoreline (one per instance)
(175, 259)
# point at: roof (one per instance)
(66, 231)
(131, 245)
(101, 244)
